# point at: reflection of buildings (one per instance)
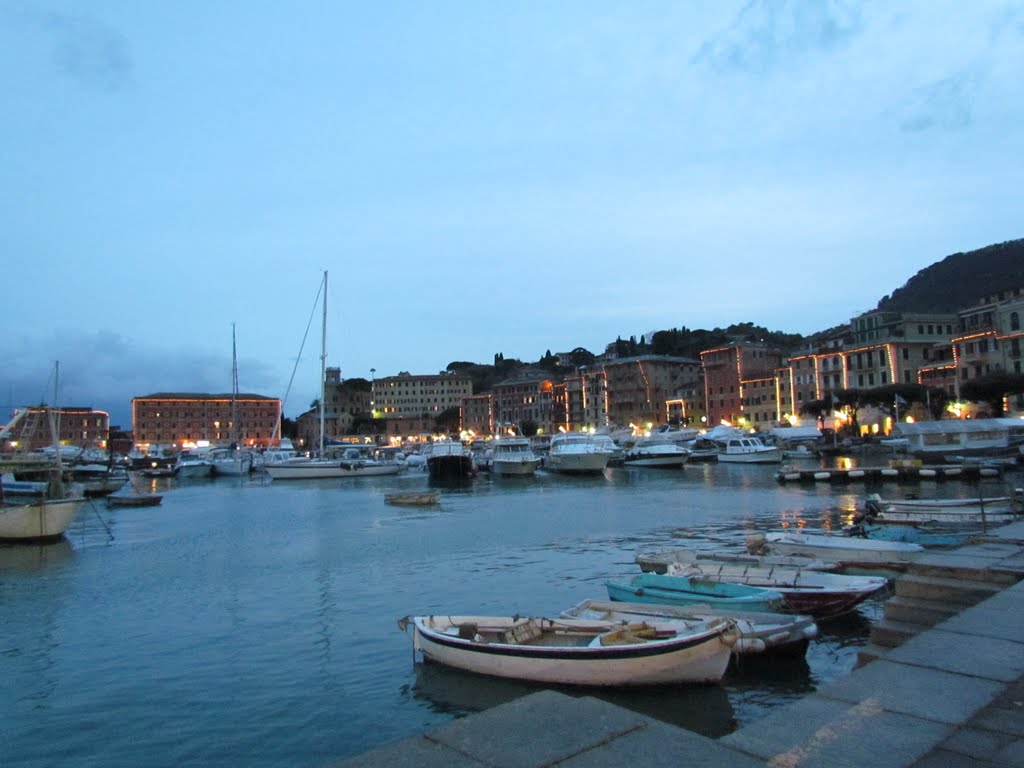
(29, 429)
(176, 419)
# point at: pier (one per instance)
(896, 471)
(941, 685)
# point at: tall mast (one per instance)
(323, 365)
(234, 389)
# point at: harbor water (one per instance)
(256, 623)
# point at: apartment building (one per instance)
(584, 402)
(410, 404)
(640, 388)
(989, 339)
(527, 397)
(170, 418)
(478, 414)
(729, 372)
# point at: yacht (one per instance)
(448, 460)
(512, 455)
(749, 450)
(580, 453)
(656, 452)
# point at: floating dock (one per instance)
(896, 471)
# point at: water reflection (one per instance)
(34, 557)
(704, 709)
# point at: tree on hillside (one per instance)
(991, 389)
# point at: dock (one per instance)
(941, 685)
(896, 471)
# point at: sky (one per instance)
(475, 178)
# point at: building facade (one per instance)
(410, 405)
(30, 428)
(176, 419)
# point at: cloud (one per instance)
(85, 50)
(105, 370)
(770, 33)
(945, 105)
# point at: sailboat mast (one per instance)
(234, 389)
(323, 365)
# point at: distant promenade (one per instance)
(952, 695)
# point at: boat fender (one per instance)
(750, 645)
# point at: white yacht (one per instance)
(749, 450)
(512, 455)
(656, 452)
(580, 453)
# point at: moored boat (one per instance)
(992, 509)
(814, 593)
(659, 561)
(748, 450)
(579, 453)
(656, 453)
(761, 632)
(448, 460)
(674, 590)
(577, 652)
(836, 548)
(512, 456)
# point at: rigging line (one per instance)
(312, 314)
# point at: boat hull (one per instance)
(514, 467)
(39, 521)
(577, 463)
(760, 632)
(672, 590)
(846, 550)
(698, 658)
(450, 466)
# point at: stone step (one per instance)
(957, 592)
(871, 652)
(1003, 576)
(912, 610)
(889, 634)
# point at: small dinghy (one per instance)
(676, 590)
(993, 509)
(836, 548)
(577, 652)
(415, 499)
(813, 593)
(760, 632)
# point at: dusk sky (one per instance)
(476, 178)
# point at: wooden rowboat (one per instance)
(415, 499)
(577, 652)
(674, 590)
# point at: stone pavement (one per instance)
(951, 696)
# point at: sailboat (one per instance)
(42, 519)
(233, 461)
(320, 466)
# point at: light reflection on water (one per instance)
(242, 622)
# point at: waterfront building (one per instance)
(478, 414)
(344, 403)
(989, 339)
(29, 428)
(639, 388)
(169, 418)
(411, 404)
(584, 402)
(526, 397)
(729, 371)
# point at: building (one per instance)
(176, 419)
(639, 388)
(410, 405)
(989, 340)
(29, 428)
(729, 371)
(581, 401)
(527, 397)
(478, 414)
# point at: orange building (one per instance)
(176, 419)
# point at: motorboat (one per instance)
(660, 560)
(231, 462)
(748, 449)
(840, 548)
(127, 497)
(809, 592)
(577, 651)
(761, 632)
(193, 464)
(448, 460)
(579, 453)
(512, 456)
(676, 590)
(12, 487)
(992, 509)
(656, 452)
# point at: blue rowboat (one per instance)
(682, 590)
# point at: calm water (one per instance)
(249, 623)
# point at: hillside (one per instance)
(960, 280)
